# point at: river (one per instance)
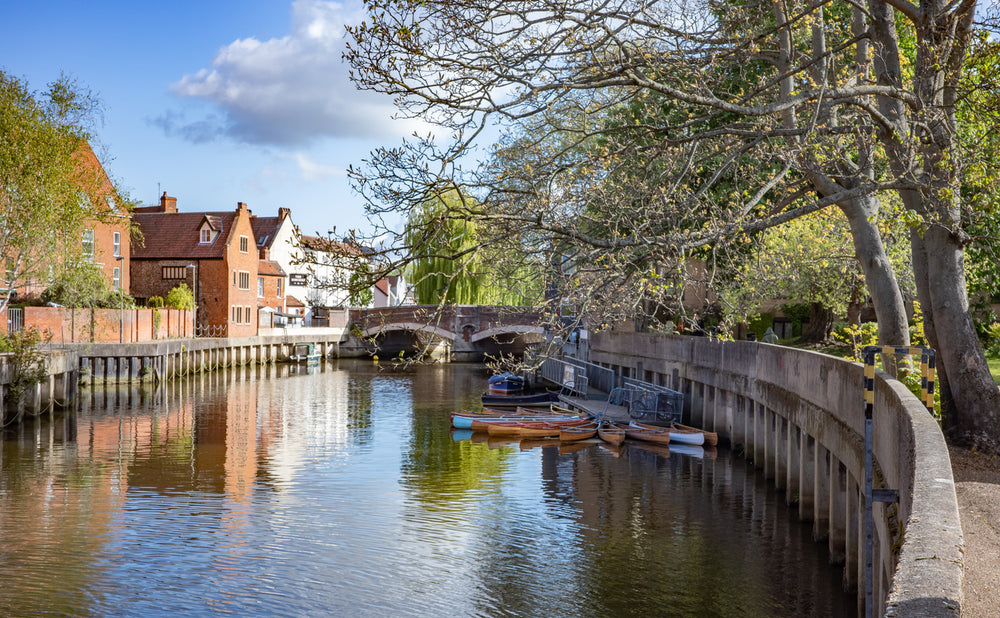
(273, 491)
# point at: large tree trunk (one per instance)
(969, 397)
(820, 324)
(880, 279)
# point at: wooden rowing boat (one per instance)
(580, 432)
(681, 436)
(657, 435)
(711, 437)
(532, 430)
(480, 422)
(611, 434)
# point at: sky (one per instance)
(215, 101)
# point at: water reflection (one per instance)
(273, 491)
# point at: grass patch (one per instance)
(994, 364)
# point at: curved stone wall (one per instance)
(799, 416)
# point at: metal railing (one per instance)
(654, 403)
(15, 319)
(601, 378)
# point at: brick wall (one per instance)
(238, 261)
(106, 325)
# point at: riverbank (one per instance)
(977, 485)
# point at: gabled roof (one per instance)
(175, 235)
(327, 245)
(291, 301)
(265, 229)
(270, 267)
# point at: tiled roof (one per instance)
(383, 286)
(291, 301)
(327, 245)
(270, 267)
(175, 235)
(265, 229)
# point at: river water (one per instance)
(341, 492)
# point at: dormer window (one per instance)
(206, 235)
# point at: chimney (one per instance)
(283, 214)
(167, 203)
(242, 207)
(265, 254)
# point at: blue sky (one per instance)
(214, 101)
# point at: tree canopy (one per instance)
(634, 132)
(49, 189)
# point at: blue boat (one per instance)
(505, 383)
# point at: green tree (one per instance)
(48, 191)
(181, 297)
(447, 263)
(80, 283)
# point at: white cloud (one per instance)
(292, 90)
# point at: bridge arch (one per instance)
(508, 329)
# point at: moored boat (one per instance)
(681, 436)
(657, 435)
(579, 432)
(532, 429)
(505, 384)
(711, 437)
(611, 434)
(544, 399)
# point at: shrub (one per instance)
(155, 302)
(181, 297)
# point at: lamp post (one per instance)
(121, 299)
(194, 291)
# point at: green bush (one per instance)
(760, 324)
(181, 297)
(155, 302)
(857, 336)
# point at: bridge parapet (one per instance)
(453, 322)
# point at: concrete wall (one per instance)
(799, 416)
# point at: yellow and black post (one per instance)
(886, 495)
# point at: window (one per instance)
(244, 244)
(246, 312)
(206, 235)
(260, 287)
(112, 205)
(244, 280)
(118, 244)
(279, 287)
(234, 277)
(173, 272)
(116, 278)
(88, 244)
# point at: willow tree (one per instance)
(445, 262)
(838, 102)
(49, 190)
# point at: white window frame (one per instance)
(260, 287)
(118, 244)
(89, 245)
(206, 236)
(116, 278)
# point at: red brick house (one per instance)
(105, 238)
(272, 280)
(213, 252)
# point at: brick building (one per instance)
(273, 235)
(104, 238)
(213, 252)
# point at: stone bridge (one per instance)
(457, 332)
